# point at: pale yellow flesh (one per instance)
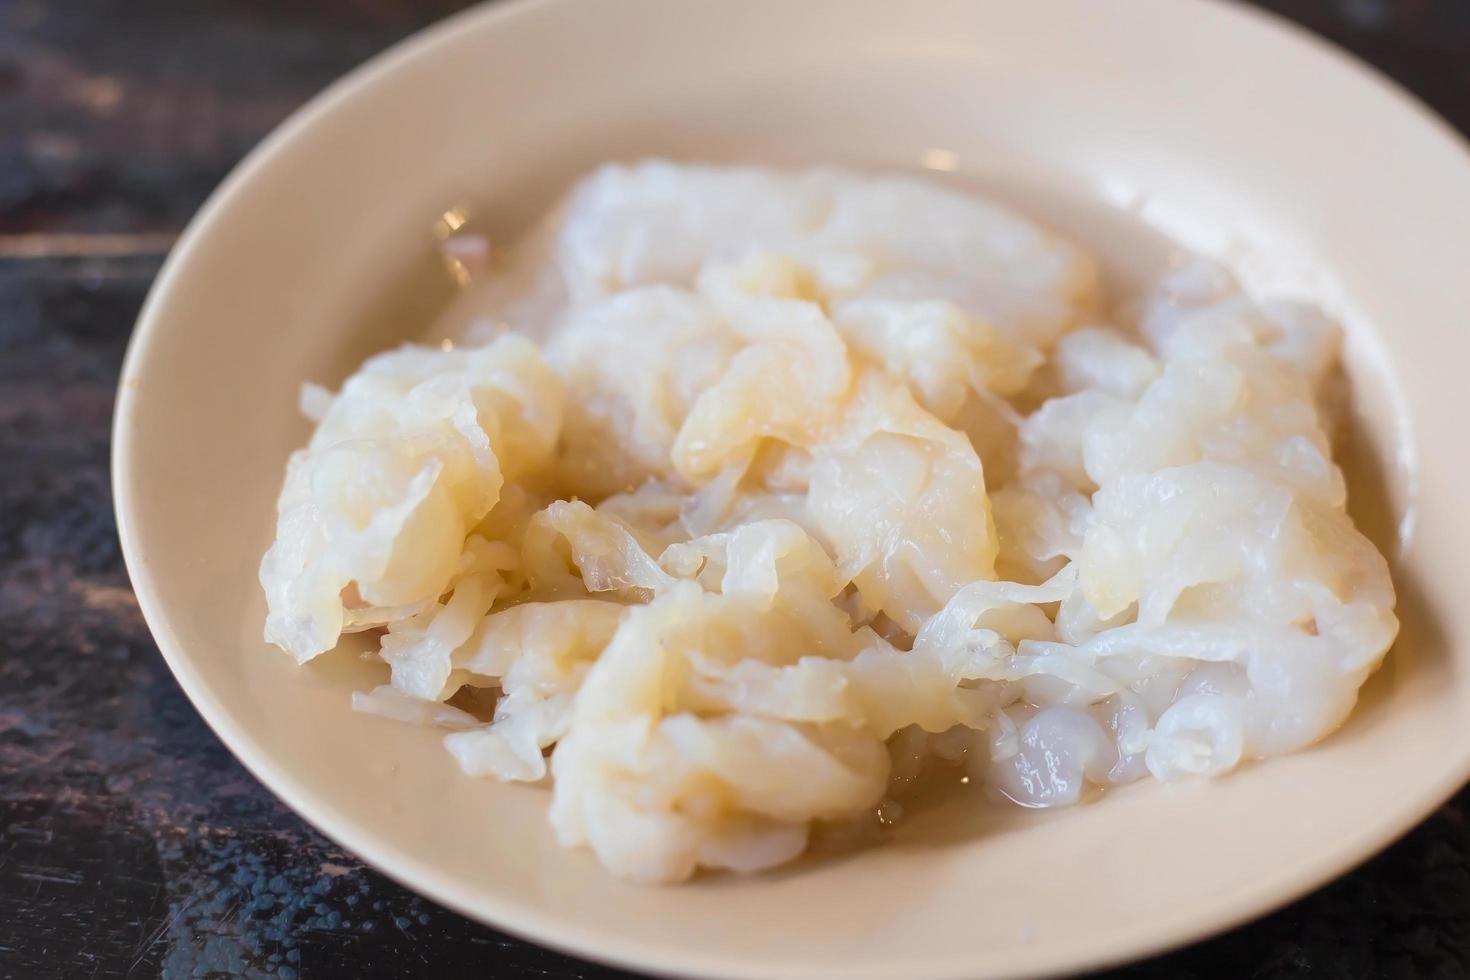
(1103, 120)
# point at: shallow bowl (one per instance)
(1137, 127)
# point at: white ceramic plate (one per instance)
(1129, 125)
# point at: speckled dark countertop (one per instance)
(131, 843)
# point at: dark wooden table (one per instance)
(131, 843)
